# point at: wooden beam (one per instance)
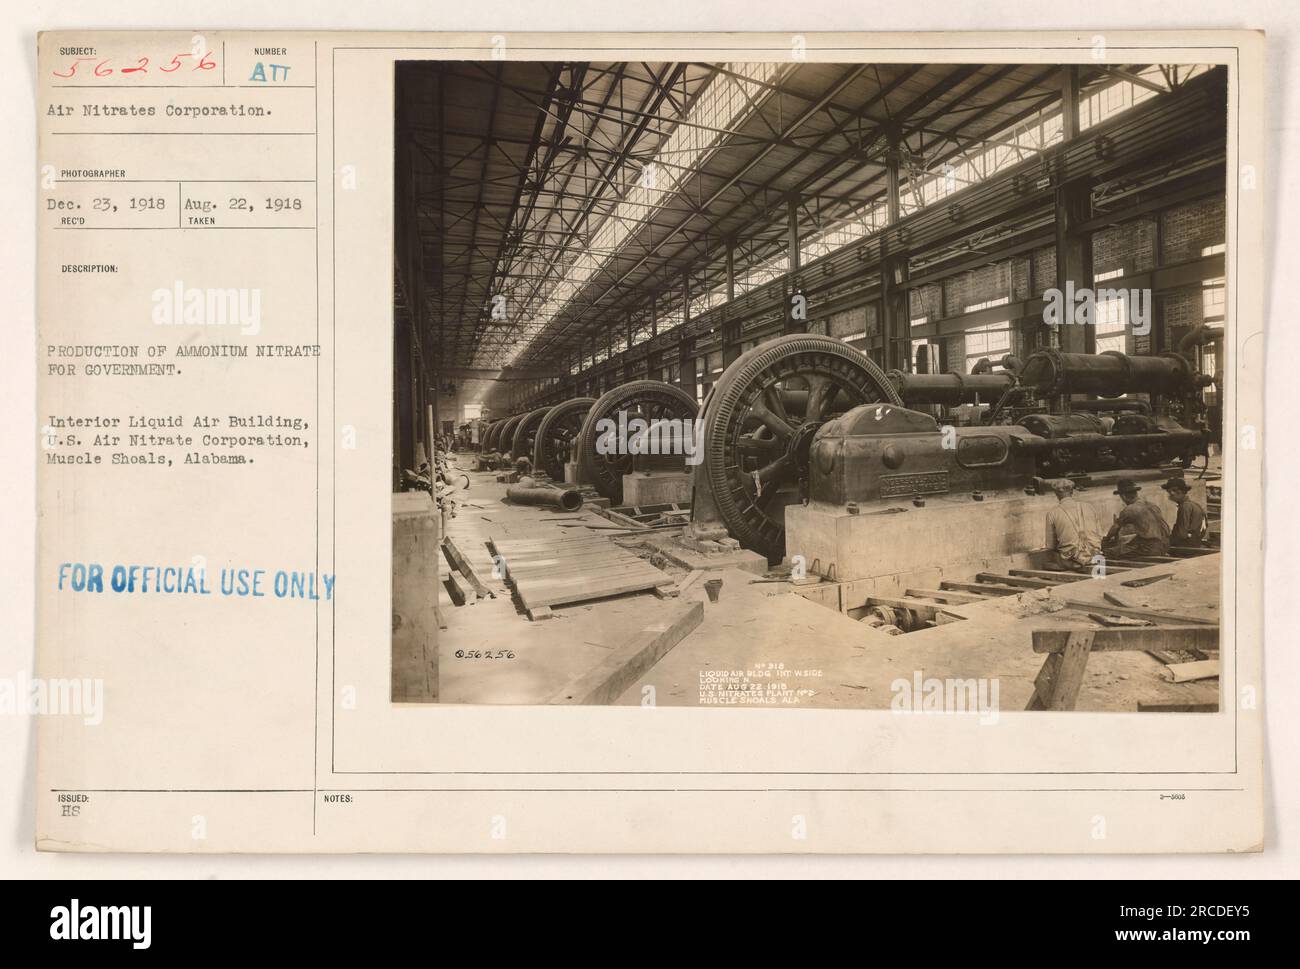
(987, 590)
(1014, 580)
(632, 660)
(1146, 580)
(461, 564)
(1162, 617)
(1200, 670)
(462, 593)
(947, 595)
(1051, 575)
(1143, 638)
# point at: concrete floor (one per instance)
(764, 644)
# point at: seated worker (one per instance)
(1190, 526)
(1140, 527)
(1073, 533)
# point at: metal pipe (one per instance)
(1109, 374)
(1094, 442)
(1141, 406)
(528, 492)
(949, 388)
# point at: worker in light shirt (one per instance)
(1073, 532)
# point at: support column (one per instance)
(731, 270)
(895, 313)
(1073, 247)
(686, 364)
(796, 303)
(731, 340)
(792, 233)
(1074, 261)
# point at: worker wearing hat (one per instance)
(1140, 527)
(1190, 527)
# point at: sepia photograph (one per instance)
(798, 384)
(645, 443)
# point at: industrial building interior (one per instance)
(758, 384)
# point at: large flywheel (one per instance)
(506, 436)
(760, 420)
(490, 435)
(649, 400)
(554, 442)
(525, 432)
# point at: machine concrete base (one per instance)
(571, 473)
(949, 532)
(656, 488)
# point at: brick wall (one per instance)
(1188, 229)
(1130, 247)
(926, 301)
(976, 286)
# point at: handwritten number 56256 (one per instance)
(101, 69)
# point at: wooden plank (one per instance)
(1187, 672)
(532, 584)
(1144, 639)
(947, 595)
(926, 610)
(1164, 656)
(557, 558)
(632, 660)
(592, 562)
(543, 555)
(459, 562)
(1146, 580)
(589, 555)
(547, 545)
(593, 567)
(553, 576)
(1015, 580)
(986, 590)
(566, 592)
(1117, 621)
(689, 582)
(1168, 618)
(550, 535)
(462, 593)
(1069, 678)
(1044, 682)
(1051, 575)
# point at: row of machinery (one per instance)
(805, 419)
